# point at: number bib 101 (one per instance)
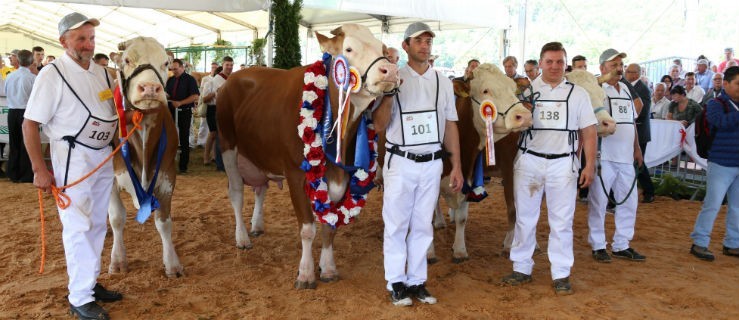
(550, 115)
(420, 128)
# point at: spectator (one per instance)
(693, 92)
(210, 97)
(183, 92)
(729, 54)
(667, 80)
(101, 59)
(432, 59)
(471, 66)
(531, 67)
(643, 128)
(722, 172)
(703, 75)
(660, 103)
(682, 108)
(579, 62)
(393, 55)
(510, 64)
(18, 86)
(49, 59)
(201, 136)
(677, 79)
(38, 58)
(718, 79)
(13, 57)
(5, 70)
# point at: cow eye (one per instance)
(128, 61)
(348, 50)
(485, 91)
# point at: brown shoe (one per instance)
(516, 278)
(734, 252)
(562, 287)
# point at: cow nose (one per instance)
(389, 72)
(149, 89)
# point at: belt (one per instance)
(546, 155)
(417, 157)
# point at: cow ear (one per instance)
(123, 45)
(330, 44)
(461, 88)
(337, 32)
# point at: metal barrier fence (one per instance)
(655, 69)
(684, 170)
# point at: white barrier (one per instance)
(667, 142)
(4, 138)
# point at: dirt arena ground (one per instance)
(223, 282)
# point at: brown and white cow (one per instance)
(144, 70)
(257, 117)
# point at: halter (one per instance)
(503, 114)
(364, 76)
(125, 82)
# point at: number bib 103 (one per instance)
(97, 133)
(550, 115)
(420, 128)
(621, 111)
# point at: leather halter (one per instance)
(126, 81)
(364, 76)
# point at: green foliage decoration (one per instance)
(286, 17)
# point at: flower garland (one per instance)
(309, 129)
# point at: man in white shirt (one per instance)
(617, 155)
(693, 92)
(418, 120)
(18, 86)
(547, 163)
(76, 109)
(660, 103)
(212, 144)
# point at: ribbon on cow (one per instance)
(120, 108)
(147, 201)
(489, 113)
(476, 192)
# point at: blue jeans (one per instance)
(721, 181)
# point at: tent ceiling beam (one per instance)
(191, 21)
(237, 21)
(31, 34)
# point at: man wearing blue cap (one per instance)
(76, 109)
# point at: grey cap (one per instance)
(416, 29)
(702, 61)
(610, 54)
(13, 53)
(75, 20)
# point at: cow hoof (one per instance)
(438, 226)
(460, 260)
(330, 278)
(300, 285)
(432, 260)
(119, 267)
(244, 246)
(505, 254)
(256, 233)
(175, 272)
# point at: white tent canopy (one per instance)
(184, 22)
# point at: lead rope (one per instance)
(62, 199)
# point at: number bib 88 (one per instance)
(550, 115)
(621, 111)
(420, 128)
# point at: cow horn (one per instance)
(337, 32)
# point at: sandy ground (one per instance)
(223, 282)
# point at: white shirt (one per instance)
(54, 105)
(212, 86)
(418, 92)
(619, 147)
(660, 108)
(696, 93)
(580, 115)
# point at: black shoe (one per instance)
(734, 252)
(183, 171)
(601, 256)
(701, 253)
(647, 199)
(89, 311)
(629, 254)
(562, 287)
(516, 278)
(399, 295)
(104, 295)
(423, 295)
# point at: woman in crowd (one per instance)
(682, 108)
(666, 79)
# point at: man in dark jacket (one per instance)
(633, 72)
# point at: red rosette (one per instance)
(315, 153)
(308, 135)
(321, 196)
(364, 183)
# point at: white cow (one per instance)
(144, 70)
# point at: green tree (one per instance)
(286, 18)
(222, 49)
(256, 51)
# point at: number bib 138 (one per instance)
(621, 111)
(550, 115)
(420, 128)
(97, 133)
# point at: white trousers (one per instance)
(84, 222)
(411, 190)
(619, 177)
(557, 178)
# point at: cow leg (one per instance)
(236, 195)
(328, 264)
(117, 218)
(306, 270)
(257, 217)
(439, 222)
(163, 222)
(460, 219)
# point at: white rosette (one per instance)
(301, 130)
(317, 142)
(361, 174)
(306, 149)
(309, 96)
(306, 113)
(322, 186)
(321, 82)
(331, 218)
(309, 77)
(310, 122)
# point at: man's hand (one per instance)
(176, 104)
(586, 176)
(43, 180)
(455, 180)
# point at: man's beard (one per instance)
(82, 55)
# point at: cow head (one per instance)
(144, 70)
(606, 125)
(366, 53)
(489, 83)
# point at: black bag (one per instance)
(704, 132)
